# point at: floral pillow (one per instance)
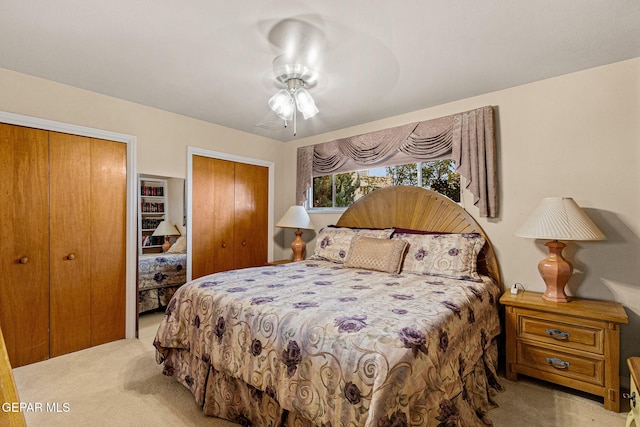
(333, 243)
(448, 255)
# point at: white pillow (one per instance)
(179, 247)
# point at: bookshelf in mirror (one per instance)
(152, 209)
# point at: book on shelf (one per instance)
(152, 190)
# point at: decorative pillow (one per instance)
(448, 255)
(179, 247)
(376, 254)
(333, 243)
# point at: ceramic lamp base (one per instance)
(555, 271)
(298, 247)
(166, 245)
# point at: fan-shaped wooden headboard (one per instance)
(419, 209)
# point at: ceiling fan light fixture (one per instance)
(305, 103)
(282, 104)
(295, 78)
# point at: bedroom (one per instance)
(583, 123)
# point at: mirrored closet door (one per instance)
(162, 248)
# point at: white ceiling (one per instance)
(212, 59)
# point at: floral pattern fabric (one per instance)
(447, 255)
(159, 275)
(334, 242)
(316, 343)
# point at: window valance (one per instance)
(468, 138)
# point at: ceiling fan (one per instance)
(296, 69)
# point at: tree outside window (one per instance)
(341, 190)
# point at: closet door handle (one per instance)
(71, 257)
(24, 260)
(244, 243)
(224, 245)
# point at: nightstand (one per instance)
(575, 344)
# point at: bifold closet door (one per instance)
(24, 247)
(70, 228)
(87, 229)
(213, 216)
(108, 240)
(229, 215)
(251, 215)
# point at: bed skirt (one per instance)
(154, 299)
(229, 398)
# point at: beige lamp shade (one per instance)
(559, 218)
(165, 228)
(295, 217)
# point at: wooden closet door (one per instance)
(108, 240)
(224, 217)
(212, 216)
(24, 246)
(202, 212)
(70, 228)
(251, 215)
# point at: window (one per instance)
(341, 190)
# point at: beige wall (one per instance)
(577, 135)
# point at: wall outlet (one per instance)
(514, 289)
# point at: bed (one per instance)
(346, 339)
(159, 275)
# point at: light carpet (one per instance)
(120, 384)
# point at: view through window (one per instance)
(341, 190)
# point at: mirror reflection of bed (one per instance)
(162, 253)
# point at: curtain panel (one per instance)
(468, 138)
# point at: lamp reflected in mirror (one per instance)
(166, 229)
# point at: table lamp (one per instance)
(166, 229)
(558, 218)
(296, 217)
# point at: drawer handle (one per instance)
(557, 334)
(631, 397)
(557, 363)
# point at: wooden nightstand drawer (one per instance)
(546, 328)
(568, 365)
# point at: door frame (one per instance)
(131, 299)
(195, 151)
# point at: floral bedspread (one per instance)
(337, 346)
(161, 270)
(159, 275)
